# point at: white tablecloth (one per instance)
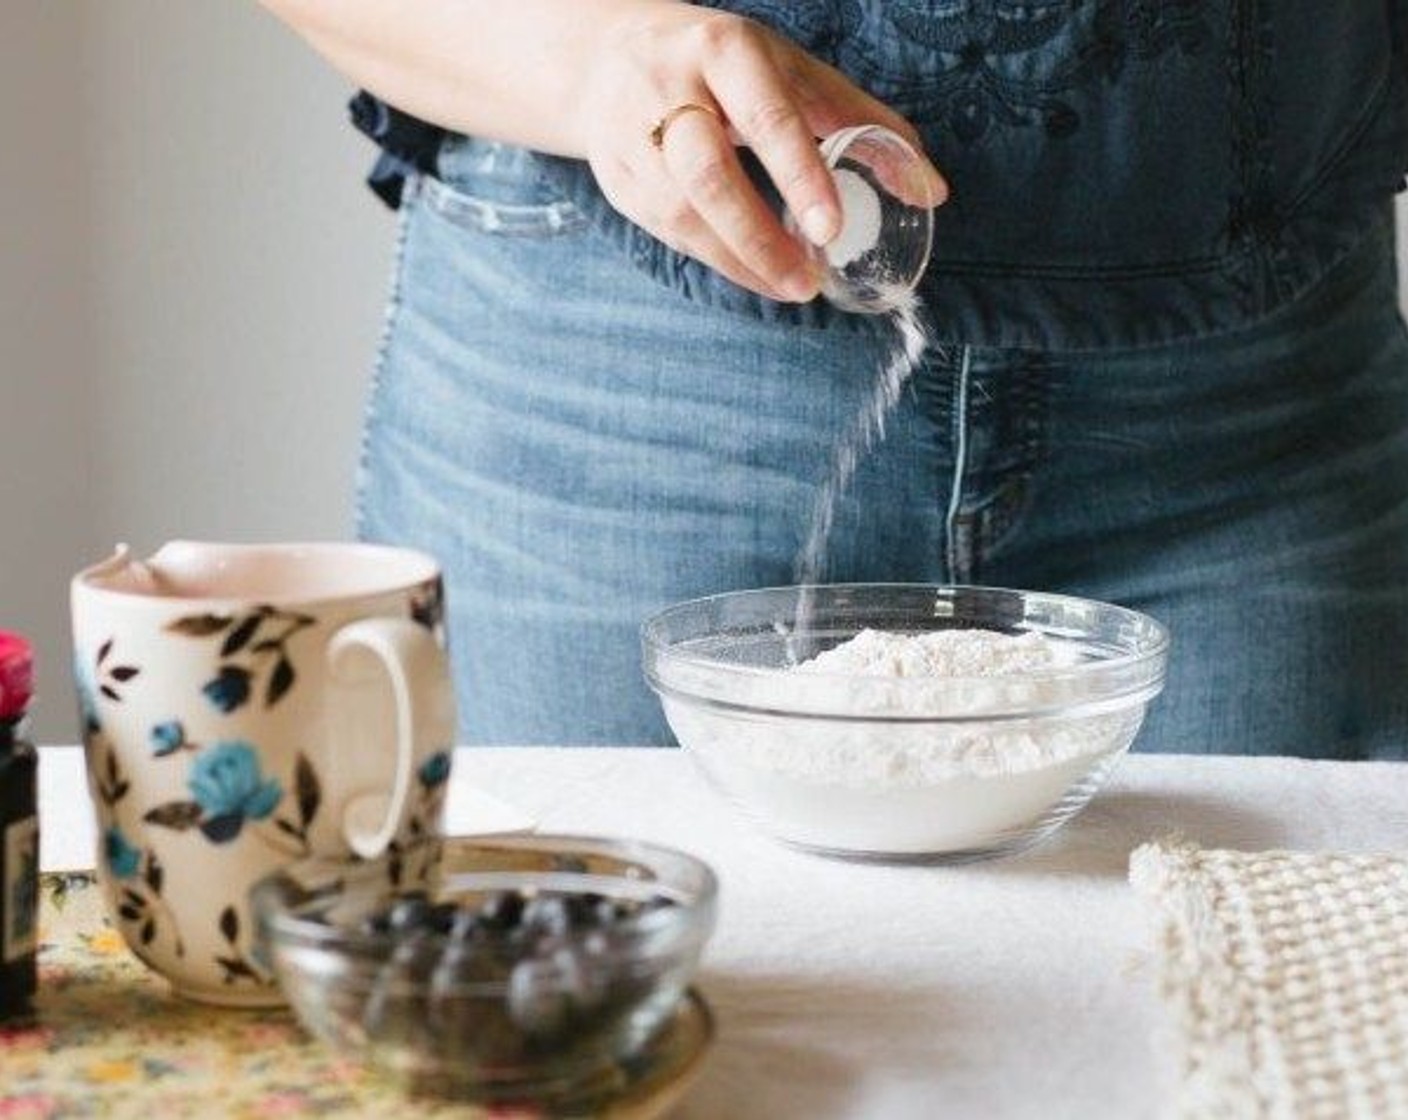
(1020, 988)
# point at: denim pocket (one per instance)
(498, 189)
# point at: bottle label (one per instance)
(19, 936)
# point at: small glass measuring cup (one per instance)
(887, 202)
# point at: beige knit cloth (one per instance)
(1287, 977)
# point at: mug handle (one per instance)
(424, 700)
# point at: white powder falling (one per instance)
(911, 339)
(860, 219)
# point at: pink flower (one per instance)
(289, 1103)
(31, 1106)
(18, 1040)
(268, 1034)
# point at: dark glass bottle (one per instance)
(19, 831)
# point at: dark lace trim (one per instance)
(1252, 215)
(975, 91)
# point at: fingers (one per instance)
(679, 175)
(759, 101)
(701, 160)
(686, 232)
(831, 103)
(654, 201)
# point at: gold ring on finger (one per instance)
(662, 126)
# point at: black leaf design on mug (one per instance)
(252, 641)
(230, 924)
(239, 637)
(280, 681)
(155, 873)
(308, 794)
(106, 679)
(235, 965)
(140, 904)
(308, 789)
(111, 786)
(177, 815)
(200, 625)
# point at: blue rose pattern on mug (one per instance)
(137, 870)
(170, 737)
(228, 791)
(123, 858)
(435, 770)
(227, 785)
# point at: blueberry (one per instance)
(409, 912)
(393, 1008)
(584, 980)
(502, 910)
(580, 908)
(442, 916)
(536, 1001)
(548, 915)
(466, 924)
(460, 965)
(413, 956)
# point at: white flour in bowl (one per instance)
(900, 785)
(940, 653)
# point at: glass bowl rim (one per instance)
(1112, 683)
(283, 925)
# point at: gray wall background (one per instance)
(191, 283)
(191, 280)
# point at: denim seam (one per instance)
(1002, 516)
(1332, 277)
(410, 194)
(549, 219)
(1176, 268)
(1343, 152)
(1251, 218)
(952, 546)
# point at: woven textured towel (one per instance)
(1287, 975)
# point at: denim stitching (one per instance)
(410, 194)
(1011, 498)
(1348, 145)
(1251, 211)
(958, 563)
(502, 218)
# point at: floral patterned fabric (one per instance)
(109, 1039)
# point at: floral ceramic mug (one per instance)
(245, 706)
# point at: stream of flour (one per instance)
(911, 338)
(868, 427)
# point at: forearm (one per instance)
(510, 70)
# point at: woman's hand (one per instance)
(742, 84)
(594, 79)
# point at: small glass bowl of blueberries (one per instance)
(521, 968)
